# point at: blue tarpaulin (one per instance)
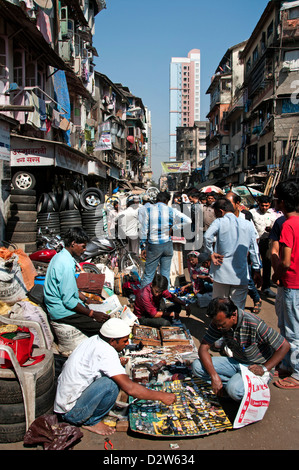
(62, 97)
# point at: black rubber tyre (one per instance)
(23, 180)
(16, 198)
(22, 207)
(15, 432)
(42, 204)
(90, 198)
(15, 226)
(21, 237)
(76, 197)
(64, 200)
(22, 216)
(54, 202)
(23, 192)
(15, 412)
(10, 389)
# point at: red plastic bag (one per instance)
(21, 342)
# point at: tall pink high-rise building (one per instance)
(184, 96)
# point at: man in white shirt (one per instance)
(92, 376)
(264, 218)
(128, 224)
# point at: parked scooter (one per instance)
(49, 245)
(112, 253)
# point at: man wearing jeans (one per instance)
(286, 276)
(157, 223)
(248, 341)
(92, 376)
(228, 241)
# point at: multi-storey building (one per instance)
(224, 87)
(184, 95)
(271, 61)
(54, 106)
(254, 119)
(191, 144)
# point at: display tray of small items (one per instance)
(196, 412)
(174, 335)
(148, 335)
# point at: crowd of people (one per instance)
(231, 251)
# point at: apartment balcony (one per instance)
(290, 29)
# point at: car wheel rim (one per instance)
(23, 181)
(92, 200)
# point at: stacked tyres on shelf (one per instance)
(92, 200)
(69, 211)
(48, 215)
(21, 223)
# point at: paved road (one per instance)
(277, 431)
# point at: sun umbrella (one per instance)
(209, 189)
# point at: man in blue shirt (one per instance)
(64, 302)
(157, 223)
(228, 241)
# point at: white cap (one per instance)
(115, 328)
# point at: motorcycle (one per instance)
(112, 253)
(49, 245)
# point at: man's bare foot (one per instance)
(100, 428)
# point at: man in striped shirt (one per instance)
(248, 341)
(157, 224)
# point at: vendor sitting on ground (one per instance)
(64, 302)
(150, 307)
(248, 341)
(199, 272)
(92, 376)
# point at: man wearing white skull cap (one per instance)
(92, 376)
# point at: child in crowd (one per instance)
(199, 268)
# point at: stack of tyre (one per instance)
(69, 211)
(73, 209)
(92, 212)
(21, 223)
(48, 214)
(12, 411)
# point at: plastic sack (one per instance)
(27, 267)
(256, 398)
(68, 337)
(25, 310)
(47, 431)
(12, 287)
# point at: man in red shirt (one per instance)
(286, 274)
(150, 307)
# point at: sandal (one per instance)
(257, 307)
(289, 383)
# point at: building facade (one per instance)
(64, 126)
(254, 117)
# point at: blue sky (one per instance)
(136, 39)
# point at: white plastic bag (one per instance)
(25, 310)
(68, 337)
(256, 398)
